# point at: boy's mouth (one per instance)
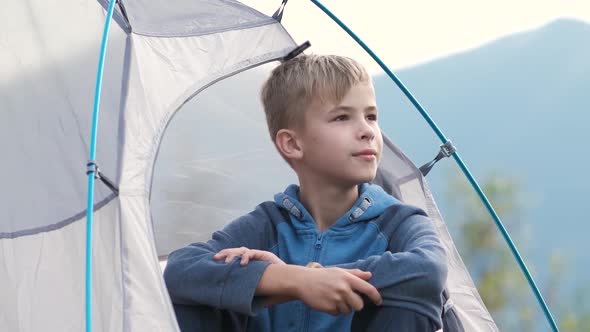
(366, 154)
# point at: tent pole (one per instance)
(460, 162)
(91, 166)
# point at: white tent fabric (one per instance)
(155, 65)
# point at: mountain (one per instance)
(518, 106)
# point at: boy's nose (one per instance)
(367, 132)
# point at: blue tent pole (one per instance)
(457, 158)
(91, 166)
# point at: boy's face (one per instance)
(342, 143)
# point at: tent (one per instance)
(181, 134)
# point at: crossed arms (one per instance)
(411, 274)
(332, 290)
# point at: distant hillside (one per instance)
(521, 106)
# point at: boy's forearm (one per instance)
(280, 283)
(414, 275)
(193, 277)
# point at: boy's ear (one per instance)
(288, 144)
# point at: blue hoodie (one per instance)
(397, 243)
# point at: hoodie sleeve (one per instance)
(413, 272)
(194, 278)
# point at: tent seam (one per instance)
(205, 33)
(123, 273)
(58, 225)
(181, 101)
(168, 119)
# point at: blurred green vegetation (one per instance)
(493, 268)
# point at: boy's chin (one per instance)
(354, 179)
(365, 178)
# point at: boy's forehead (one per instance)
(330, 97)
(318, 103)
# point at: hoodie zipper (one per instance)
(316, 255)
(318, 247)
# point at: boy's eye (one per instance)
(341, 118)
(372, 117)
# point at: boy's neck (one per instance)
(326, 203)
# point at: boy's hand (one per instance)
(336, 291)
(247, 255)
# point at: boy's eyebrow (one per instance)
(350, 108)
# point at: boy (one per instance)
(384, 266)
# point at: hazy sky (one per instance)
(404, 33)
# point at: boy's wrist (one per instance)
(281, 280)
(295, 277)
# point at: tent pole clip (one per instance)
(123, 12)
(298, 50)
(278, 15)
(448, 149)
(92, 167)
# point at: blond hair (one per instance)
(294, 84)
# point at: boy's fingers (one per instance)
(334, 311)
(355, 301)
(256, 254)
(343, 308)
(367, 289)
(230, 253)
(365, 275)
(246, 255)
(223, 253)
(220, 254)
(245, 258)
(230, 258)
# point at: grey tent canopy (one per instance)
(181, 134)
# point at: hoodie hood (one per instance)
(371, 203)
